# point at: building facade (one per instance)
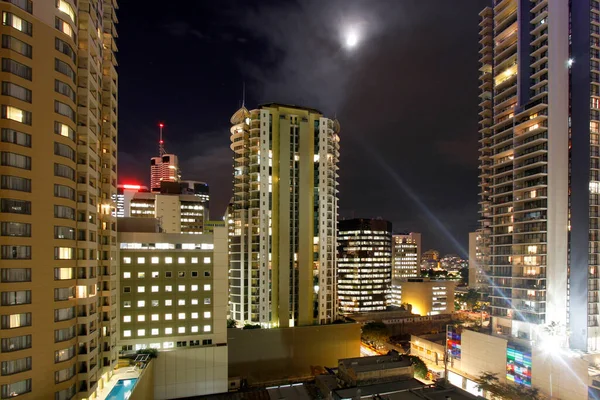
(406, 255)
(364, 265)
(58, 170)
(125, 193)
(177, 213)
(164, 168)
(478, 261)
(174, 297)
(283, 216)
(539, 176)
(427, 297)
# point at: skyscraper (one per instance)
(165, 167)
(364, 265)
(539, 166)
(58, 180)
(283, 216)
(406, 255)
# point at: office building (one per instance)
(283, 216)
(426, 296)
(364, 265)
(58, 149)
(200, 189)
(165, 167)
(406, 255)
(177, 213)
(125, 193)
(174, 298)
(478, 261)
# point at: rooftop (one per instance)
(282, 105)
(364, 364)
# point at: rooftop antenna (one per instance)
(161, 143)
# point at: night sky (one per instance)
(406, 96)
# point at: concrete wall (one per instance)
(190, 372)
(427, 350)
(144, 388)
(262, 355)
(559, 376)
(481, 352)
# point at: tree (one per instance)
(152, 353)
(251, 326)
(231, 323)
(464, 275)
(497, 390)
(375, 332)
(471, 298)
(419, 367)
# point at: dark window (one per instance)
(64, 212)
(64, 171)
(15, 183)
(16, 298)
(63, 88)
(64, 69)
(16, 91)
(16, 343)
(26, 5)
(64, 109)
(11, 275)
(16, 252)
(16, 68)
(64, 192)
(14, 44)
(15, 160)
(16, 137)
(11, 390)
(65, 48)
(16, 229)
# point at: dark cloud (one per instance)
(406, 96)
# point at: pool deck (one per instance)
(121, 373)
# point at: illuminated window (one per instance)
(207, 287)
(206, 260)
(16, 114)
(154, 331)
(154, 317)
(141, 318)
(127, 304)
(154, 289)
(127, 333)
(141, 260)
(168, 288)
(168, 317)
(194, 315)
(168, 331)
(181, 260)
(181, 288)
(154, 274)
(126, 260)
(141, 303)
(154, 260)
(194, 288)
(181, 315)
(207, 300)
(141, 332)
(141, 275)
(141, 289)
(195, 329)
(594, 187)
(168, 260)
(181, 329)
(168, 302)
(181, 302)
(194, 302)
(126, 318)
(206, 328)
(194, 260)
(65, 7)
(126, 275)
(206, 314)
(155, 303)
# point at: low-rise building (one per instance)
(427, 297)
(378, 369)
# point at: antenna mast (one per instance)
(161, 143)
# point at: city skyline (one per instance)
(408, 135)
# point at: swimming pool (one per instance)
(122, 390)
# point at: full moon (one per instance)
(351, 39)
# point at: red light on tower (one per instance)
(161, 125)
(134, 187)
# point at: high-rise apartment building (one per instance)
(283, 216)
(58, 149)
(178, 213)
(478, 261)
(364, 265)
(539, 166)
(406, 255)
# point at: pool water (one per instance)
(122, 390)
